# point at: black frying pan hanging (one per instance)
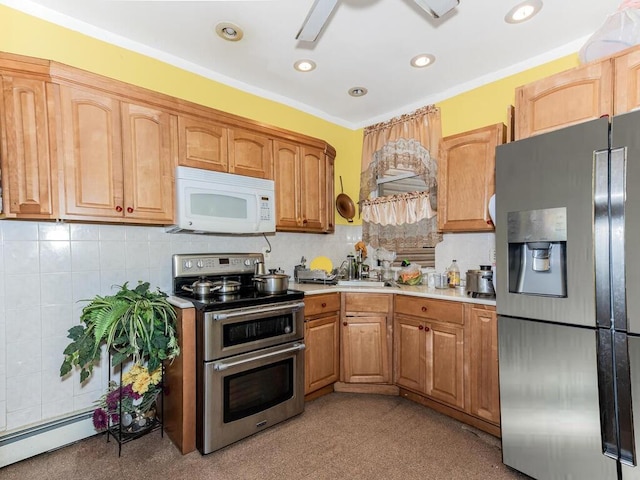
(345, 205)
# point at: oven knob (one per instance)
(188, 264)
(247, 262)
(200, 264)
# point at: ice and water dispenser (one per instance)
(538, 252)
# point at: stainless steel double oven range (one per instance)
(249, 348)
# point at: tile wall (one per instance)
(47, 269)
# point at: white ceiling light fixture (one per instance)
(358, 91)
(304, 65)
(229, 31)
(437, 8)
(422, 60)
(523, 11)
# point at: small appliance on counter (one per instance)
(480, 282)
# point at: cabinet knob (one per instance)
(426, 329)
(118, 208)
(420, 327)
(304, 221)
(424, 309)
(345, 323)
(324, 305)
(129, 210)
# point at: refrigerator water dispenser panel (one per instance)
(537, 252)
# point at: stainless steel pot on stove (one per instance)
(271, 283)
(203, 288)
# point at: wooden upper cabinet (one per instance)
(250, 154)
(202, 144)
(117, 159)
(304, 188)
(148, 151)
(627, 81)
(28, 143)
(569, 97)
(466, 179)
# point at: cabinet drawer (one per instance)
(438, 310)
(366, 302)
(319, 304)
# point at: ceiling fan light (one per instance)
(422, 60)
(358, 91)
(437, 8)
(523, 11)
(229, 31)
(304, 65)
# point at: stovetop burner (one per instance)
(188, 268)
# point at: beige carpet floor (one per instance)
(339, 436)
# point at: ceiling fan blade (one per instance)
(437, 8)
(316, 20)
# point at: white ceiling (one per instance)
(367, 43)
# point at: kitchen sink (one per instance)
(360, 283)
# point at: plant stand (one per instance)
(124, 435)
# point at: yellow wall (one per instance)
(26, 35)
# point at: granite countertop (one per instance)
(417, 291)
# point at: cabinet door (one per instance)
(365, 353)
(313, 189)
(445, 363)
(26, 149)
(92, 154)
(147, 159)
(409, 354)
(322, 360)
(250, 154)
(466, 179)
(483, 365)
(202, 144)
(627, 82)
(287, 183)
(570, 97)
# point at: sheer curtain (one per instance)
(408, 143)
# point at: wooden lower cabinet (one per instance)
(366, 338)
(446, 357)
(484, 388)
(429, 358)
(321, 335)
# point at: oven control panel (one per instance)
(186, 265)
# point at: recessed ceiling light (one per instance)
(523, 11)
(422, 60)
(304, 65)
(358, 91)
(229, 31)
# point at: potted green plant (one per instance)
(136, 324)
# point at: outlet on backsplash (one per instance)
(266, 252)
(492, 255)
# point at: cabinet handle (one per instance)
(129, 210)
(426, 329)
(304, 221)
(345, 324)
(420, 327)
(118, 208)
(424, 309)
(324, 305)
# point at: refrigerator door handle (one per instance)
(617, 197)
(601, 238)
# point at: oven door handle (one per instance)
(224, 316)
(219, 366)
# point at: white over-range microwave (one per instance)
(215, 202)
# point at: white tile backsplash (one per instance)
(46, 268)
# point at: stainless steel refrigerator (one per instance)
(568, 300)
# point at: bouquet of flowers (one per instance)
(134, 399)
